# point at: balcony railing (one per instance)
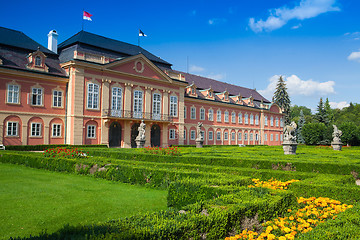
(136, 115)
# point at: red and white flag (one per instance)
(87, 16)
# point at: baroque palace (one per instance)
(91, 89)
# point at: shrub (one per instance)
(65, 153)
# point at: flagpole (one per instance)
(82, 25)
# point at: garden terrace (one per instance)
(208, 193)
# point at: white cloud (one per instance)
(354, 56)
(296, 86)
(215, 21)
(218, 76)
(194, 68)
(339, 105)
(296, 26)
(278, 17)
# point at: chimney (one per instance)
(52, 41)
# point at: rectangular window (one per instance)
(93, 96)
(184, 112)
(277, 137)
(12, 129)
(156, 113)
(246, 118)
(226, 136)
(266, 121)
(202, 114)
(256, 137)
(57, 98)
(271, 121)
(192, 134)
(211, 115)
(265, 136)
(256, 119)
(251, 136)
(245, 136)
(91, 131)
(184, 134)
(240, 118)
(271, 137)
(56, 130)
(193, 113)
(226, 118)
(173, 106)
(138, 104)
(251, 119)
(218, 116)
(277, 122)
(13, 94)
(233, 136)
(281, 122)
(37, 97)
(233, 117)
(239, 136)
(172, 134)
(218, 135)
(35, 129)
(211, 135)
(116, 102)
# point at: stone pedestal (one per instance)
(289, 148)
(199, 143)
(336, 146)
(140, 143)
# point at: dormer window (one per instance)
(193, 91)
(210, 93)
(38, 61)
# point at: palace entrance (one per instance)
(115, 135)
(134, 133)
(155, 135)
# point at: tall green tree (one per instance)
(330, 113)
(281, 98)
(321, 115)
(301, 124)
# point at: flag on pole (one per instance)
(141, 34)
(87, 16)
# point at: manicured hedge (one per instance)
(47, 146)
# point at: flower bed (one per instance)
(65, 152)
(172, 151)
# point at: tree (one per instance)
(295, 111)
(281, 98)
(301, 124)
(350, 133)
(321, 115)
(313, 133)
(329, 111)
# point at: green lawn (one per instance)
(32, 200)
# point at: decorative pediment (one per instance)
(237, 99)
(223, 96)
(36, 61)
(208, 93)
(191, 90)
(138, 65)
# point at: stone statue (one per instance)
(289, 143)
(336, 143)
(336, 134)
(200, 137)
(141, 129)
(290, 132)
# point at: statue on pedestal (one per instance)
(336, 143)
(200, 138)
(140, 139)
(289, 143)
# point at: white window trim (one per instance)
(53, 97)
(7, 93)
(212, 135)
(256, 119)
(246, 118)
(172, 134)
(226, 136)
(87, 131)
(226, 116)
(251, 119)
(41, 97)
(193, 112)
(185, 110)
(52, 130)
(173, 106)
(92, 107)
(202, 113)
(239, 136)
(240, 118)
(218, 116)
(156, 105)
(136, 113)
(265, 120)
(211, 115)
(192, 135)
(233, 136)
(218, 136)
(233, 117)
(35, 124)
(17, 129)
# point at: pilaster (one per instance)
(164, 135)
(127, 134)
(147, 100)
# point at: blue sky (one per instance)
(315, 44)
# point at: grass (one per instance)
(33, 200)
